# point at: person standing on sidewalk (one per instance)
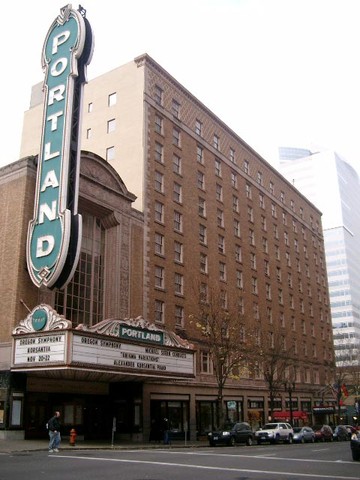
(54, 433)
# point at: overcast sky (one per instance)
(278, 72)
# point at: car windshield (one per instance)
(297, 429)
(228, 426)
(270, 426)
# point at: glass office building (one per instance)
(333, 186)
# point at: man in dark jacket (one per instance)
(54, 433)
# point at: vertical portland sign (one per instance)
(54, 234)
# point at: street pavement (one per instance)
(13, 446)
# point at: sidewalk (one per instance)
(14, 446)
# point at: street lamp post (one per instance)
(289, 388)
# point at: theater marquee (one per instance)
(45, 340)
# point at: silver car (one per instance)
(303, 434)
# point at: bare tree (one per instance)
(226, 337)
(277, 360)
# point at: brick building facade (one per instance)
(206, 211)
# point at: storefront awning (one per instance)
(285, 415)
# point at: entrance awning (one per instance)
(285, 415)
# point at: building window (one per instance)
(253, 260)
(203, 263)
(159, 212)
(248, 191)
(111, 125)
(202, 234)
(112, 99)
(176, 137)
(220, 218)
(222, 271)
(216, 142)
(246, 167)
(175, 107)
(159, 95)
(177, 192)
(159, 182)
(280, 296)
(178, 252)
(205, 363)
(198, 128)
(223, 299)
(265, 245)
(201, 180)
(263, 223)
(110, 153)
(267, 268)
(284, 219)
(159, 311)
(250, 214)
(286, 238)
(159, 277)
(179, 316)
(235, 204)
(219, 192)
(259, 178)
(251, 237)
(202, 207)
(238, 254)
(233, 179)
(288, 259)
(221, 244)
(159, 244)
(277, 252)
(217, 167)
(282, 197)
(179, 284)
(239, 279)
(254, 285)
(177, 221)
(262, 201)
(271, 188)
(232, 155)
(159, 152)
(200, 154)
(273, 210)
(159, 124)
(176, 164)
(90, 107)
(236, 228)
(268, 291)
(81, 301)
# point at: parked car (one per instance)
(341, 433)
(350, 429)
(274, 433)
(303, 434)
(355, 445)
(323, 433)
(231, 434)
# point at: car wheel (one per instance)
(232, 442)
(277, 439)
(302, 440)
(249, 441)
(312, 440)
(258, 442)
(290, 439)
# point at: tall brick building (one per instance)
(205, 211)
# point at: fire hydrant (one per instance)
(73, 436)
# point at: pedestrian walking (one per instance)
(54, 426)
